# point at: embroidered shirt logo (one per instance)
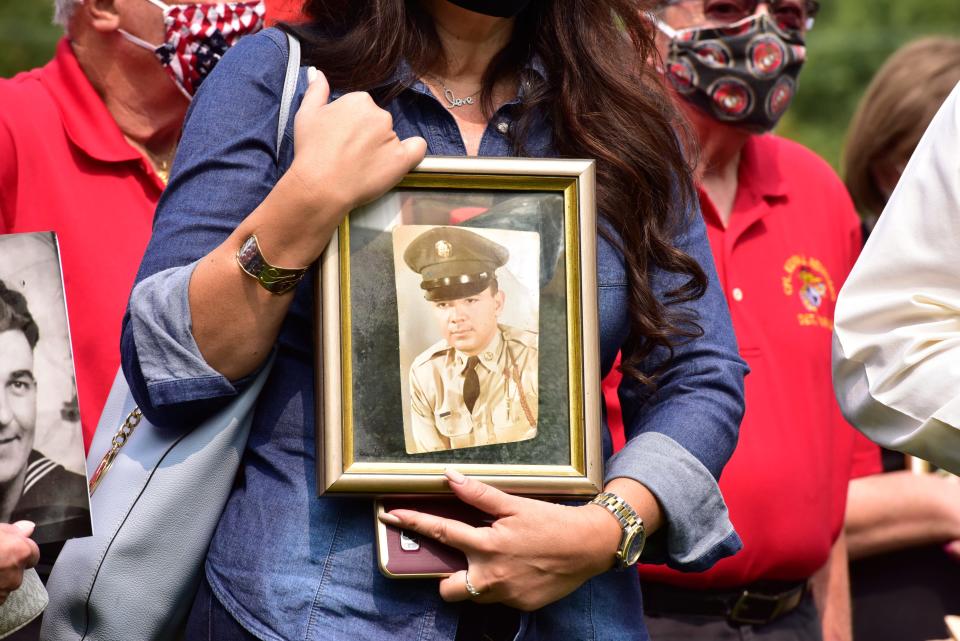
(809, 280)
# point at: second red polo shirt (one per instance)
(791, 240)
(66, 167)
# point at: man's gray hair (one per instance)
(63, 10)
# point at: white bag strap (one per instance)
(289, 89)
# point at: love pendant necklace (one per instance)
(452, 99)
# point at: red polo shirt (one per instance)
(791, 241)
(66, 167)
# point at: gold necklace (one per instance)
(161, 164)
(452, 99)
(163, 171)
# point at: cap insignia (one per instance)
(443, 249)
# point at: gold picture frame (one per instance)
(361, 369)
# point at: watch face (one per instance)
(633, 547)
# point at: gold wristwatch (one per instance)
(633, 537)
(276, 280)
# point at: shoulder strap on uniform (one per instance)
(289, 88)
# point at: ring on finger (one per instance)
(474, 592)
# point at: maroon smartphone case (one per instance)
(407, 555)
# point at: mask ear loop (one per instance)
(666, 29)
(138, 41)
(672, 33)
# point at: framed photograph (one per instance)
(42, 465)
(457, 321)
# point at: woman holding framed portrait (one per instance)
(398, 79)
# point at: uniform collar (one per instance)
(489, 357)
(88, 123)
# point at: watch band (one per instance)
(276, 280)
(630, 523)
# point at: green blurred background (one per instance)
(849, 42)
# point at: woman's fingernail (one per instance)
(311, 74)
(454, 476)
(26, 527)
(390, 519)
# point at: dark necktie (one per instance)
(471, 383)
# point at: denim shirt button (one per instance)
(503, 126)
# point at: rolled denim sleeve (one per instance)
(681, 433)
(225, 166)
(173, 369)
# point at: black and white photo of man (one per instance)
(32, 486)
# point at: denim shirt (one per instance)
(289, 565)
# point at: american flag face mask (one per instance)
(197, 36)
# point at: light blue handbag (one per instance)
(154, 510)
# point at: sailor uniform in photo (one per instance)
(55, 499)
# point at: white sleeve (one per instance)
(896, 345)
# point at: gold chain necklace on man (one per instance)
(160, 162)
(162, 167)
(451, 98)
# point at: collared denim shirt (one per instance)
(289, 565)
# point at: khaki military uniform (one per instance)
(505, 411)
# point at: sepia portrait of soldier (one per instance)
(478, 385)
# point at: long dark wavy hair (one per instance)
(603, 99)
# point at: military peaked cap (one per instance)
(454, 262)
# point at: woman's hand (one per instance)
(346, 150)
(345, 154)
(533, 554)
(17, 553)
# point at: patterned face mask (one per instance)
(197, 36)
(744, 73)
